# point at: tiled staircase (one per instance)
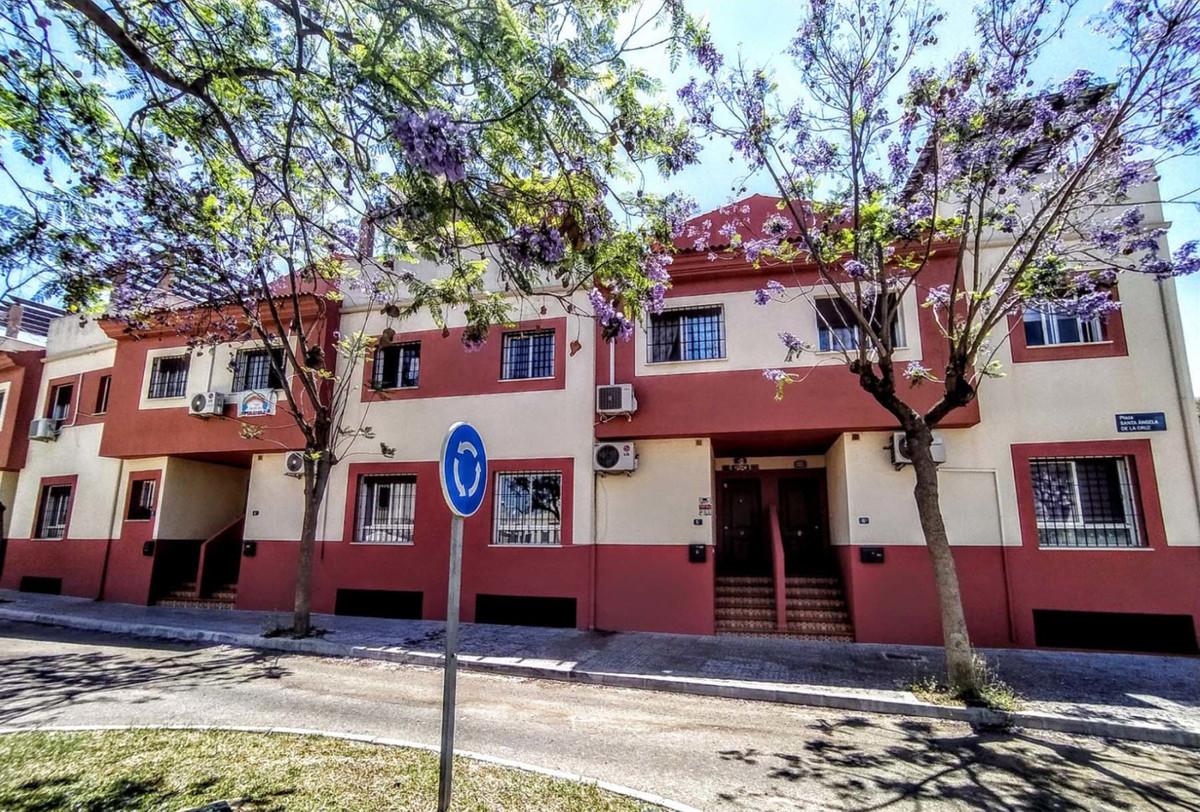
(184, 595)
(816, 608)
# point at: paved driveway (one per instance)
(712, 753)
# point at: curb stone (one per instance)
(382, 741)
(728, 689)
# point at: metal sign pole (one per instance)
(450, 674)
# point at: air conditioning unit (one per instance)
(43, 430)
(293, 463)
(614, 457)
(615, 398)
(206, 404)
(900, 448)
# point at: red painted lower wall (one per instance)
(653, 588)
(78, 562)
(895, 602)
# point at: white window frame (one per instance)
(1050, 329)
(507, 342)
(397, 530)
(1076, 523)
(900, 339)
(502, 525)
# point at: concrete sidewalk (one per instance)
(1144, 698)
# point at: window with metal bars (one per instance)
(1086, 502)
(838, 330)
(255, 370)
(397, 366)
(528, 508)
(687, 334)
(1045, 328)
(141, 500)
(386, 508)
(168, 377)
(53, 510)
(527, 355)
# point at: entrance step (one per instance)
(195, 603)
(816, 608)
(184, 596)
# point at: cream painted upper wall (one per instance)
(68, 335)
(76, 451)
(658, 503)
(752, 332)
(198, 499)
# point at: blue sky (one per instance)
(761, 30)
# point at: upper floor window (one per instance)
(1085, 502)
(141, 500)
(258, 369)
(527, 355)
(168, 376)
(3, 398)
(60, 403)
(1043, 328)
(687, 334)
(838, 329)
(397, 366)
(528, 508)
(102, 390)
(386, 506)
(53, 509)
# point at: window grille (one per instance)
(397, 366)
(60, 403)
(838, 330)
(168, 377)
(687, 334)
(141, 500)
(528, 508)
(256, 370)
(1044, 328)
(386, 507)
(53, 510)
(528, 355)
(1086, 502)
(102, 394)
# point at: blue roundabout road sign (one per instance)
(463, 468)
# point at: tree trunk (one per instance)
(960, 669)
(316, 480)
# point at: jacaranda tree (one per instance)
(884, 161)
(238, 149)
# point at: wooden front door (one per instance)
(802, 522)
(743, 548)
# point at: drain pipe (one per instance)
(112, 520)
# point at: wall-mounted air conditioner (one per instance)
(43, 429)
(900, 448)
(616, 398)
(612, 457)
(206, 404)
(293, 463)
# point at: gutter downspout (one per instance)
(112, 520)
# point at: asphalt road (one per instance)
(711, 753)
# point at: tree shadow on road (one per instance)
(39, 684)
(886, 764)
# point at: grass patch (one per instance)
(988, 690)
(178, 769)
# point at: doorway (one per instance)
(806, 550)
(742, 547)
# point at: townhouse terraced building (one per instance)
(651, 485)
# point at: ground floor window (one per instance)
(386, 506)
(528, 508)
(1086, 502)
(53, 509)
